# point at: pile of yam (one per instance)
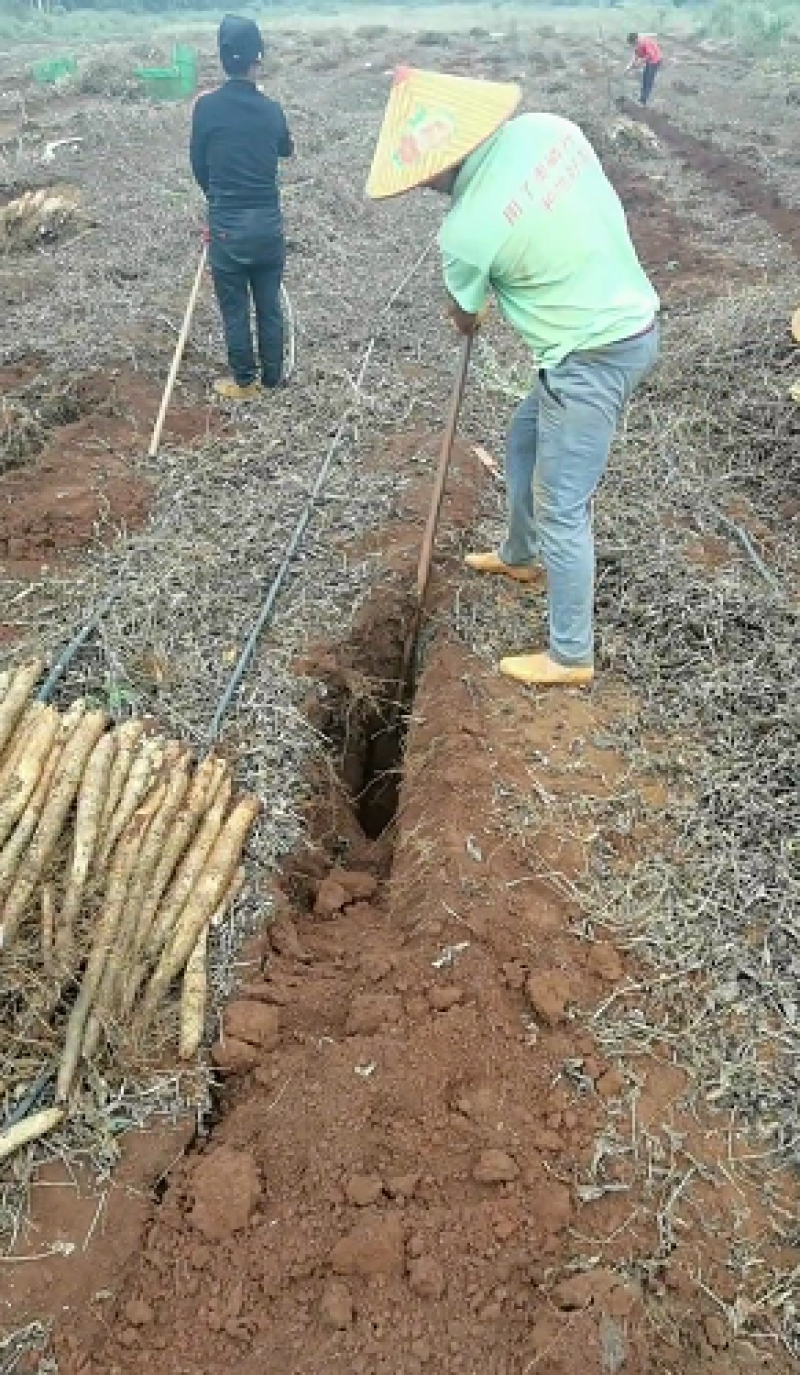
(629, 133)
(37, 217)
(118, 851)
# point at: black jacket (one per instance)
(238, 136)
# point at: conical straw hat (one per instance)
(432, 123)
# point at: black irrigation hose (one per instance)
(77, 642)
(32, 1098)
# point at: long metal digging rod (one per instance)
(432, 525)
(152, 452)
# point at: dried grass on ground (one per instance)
(699, 623)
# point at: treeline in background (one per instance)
(715, 19)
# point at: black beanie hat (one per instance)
(240, 44)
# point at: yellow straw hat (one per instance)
(432, 123)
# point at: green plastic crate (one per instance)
(177, 82)
(161, 83)
(54, 69)
(187, 62)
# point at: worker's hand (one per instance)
(205, 236)
(466, 322)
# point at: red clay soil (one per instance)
(83, 1231)
(394, 1186)
(85, 481)
(680, 267)
(412, 1096)
(728, 173)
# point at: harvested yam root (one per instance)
(116, 855)
(30, 1129)
(16, 698)
(38, 217)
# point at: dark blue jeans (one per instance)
(651, 70)
(247, 258)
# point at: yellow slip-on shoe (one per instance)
(492, 563)
(231, 391)
(539, 670)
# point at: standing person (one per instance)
(534, 220)
(647, 55)
(238, 137)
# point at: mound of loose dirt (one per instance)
(67, 463)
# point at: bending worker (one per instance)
(238, 136)
(534, 221)
(647, 55)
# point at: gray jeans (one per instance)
(557, 451)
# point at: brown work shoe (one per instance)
(539, 670)
(492, 563)
(231, 391)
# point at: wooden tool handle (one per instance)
(446, 453)
(176, 361)
(426, 553)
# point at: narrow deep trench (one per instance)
(378, 799)
(362, 712)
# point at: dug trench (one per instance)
(726, 172)
(402, 1172)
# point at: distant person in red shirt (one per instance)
(647, 55)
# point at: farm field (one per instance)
(499, 1072)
